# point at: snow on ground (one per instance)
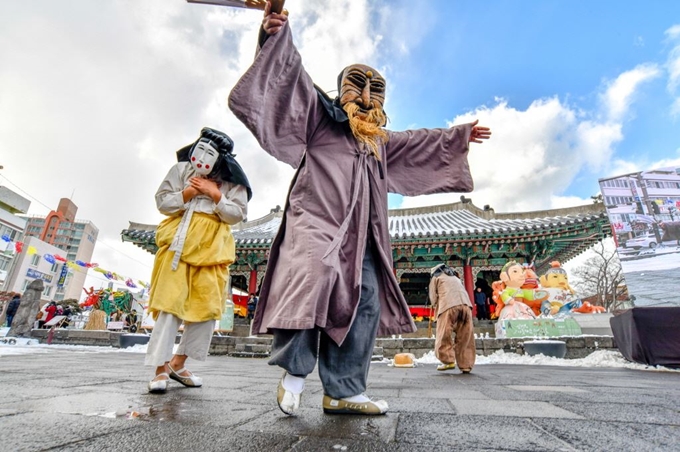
(20, 349)
(601, 358)
(667, 261)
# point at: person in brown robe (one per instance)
(329, 288)
(454, 316)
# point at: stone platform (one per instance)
(258, 347)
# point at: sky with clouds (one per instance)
(96, 97)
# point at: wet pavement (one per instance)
(94, 401)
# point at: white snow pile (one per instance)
(600, 358)
(30, 349)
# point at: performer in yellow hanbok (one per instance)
(202, 195)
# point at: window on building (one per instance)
(25, 285)
(54, 267)
(47, 291)
(35, 260)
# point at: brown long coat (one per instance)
(337, 197)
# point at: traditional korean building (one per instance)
(475, 242)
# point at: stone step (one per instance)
(253, 340)
(249, 355)
(377, 354)
(252, 348)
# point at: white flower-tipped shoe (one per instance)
(159, 386)
(190, 381)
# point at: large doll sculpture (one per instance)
(514, 296)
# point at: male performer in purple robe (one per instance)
(329, 286)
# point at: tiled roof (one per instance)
(465, 223)
(462, 220)
(261, 233)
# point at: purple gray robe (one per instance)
(337, 197)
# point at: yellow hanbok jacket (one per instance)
(194, 291)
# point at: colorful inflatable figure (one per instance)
(556, 277)
(587, 308)
(514, 297)
(561, 300)
(557, 309)
(103, 302)
(530, 282)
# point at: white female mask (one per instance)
(204, 157)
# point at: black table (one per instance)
(649, 335)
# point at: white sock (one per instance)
(359, 398)
(293, 384)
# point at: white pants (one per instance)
(195, 341)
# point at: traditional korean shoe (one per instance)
(446, 366)
(342, 406)
(159, 386)
(466, 370)
(190, 381)
(288, 401)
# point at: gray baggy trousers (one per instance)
(343, 369)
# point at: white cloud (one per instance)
(673, 162)
(673, 66)
(102, 95)
(673, 32)
(535, 155)
(620, 92)
(560, 202)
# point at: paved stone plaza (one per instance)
(87, 401)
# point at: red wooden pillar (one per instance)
(469, 283)
(252, 283)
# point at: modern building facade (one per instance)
(74, 239)
(637, 201)
(30, 266)
(12, 227)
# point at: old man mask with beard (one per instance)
(362, 95)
